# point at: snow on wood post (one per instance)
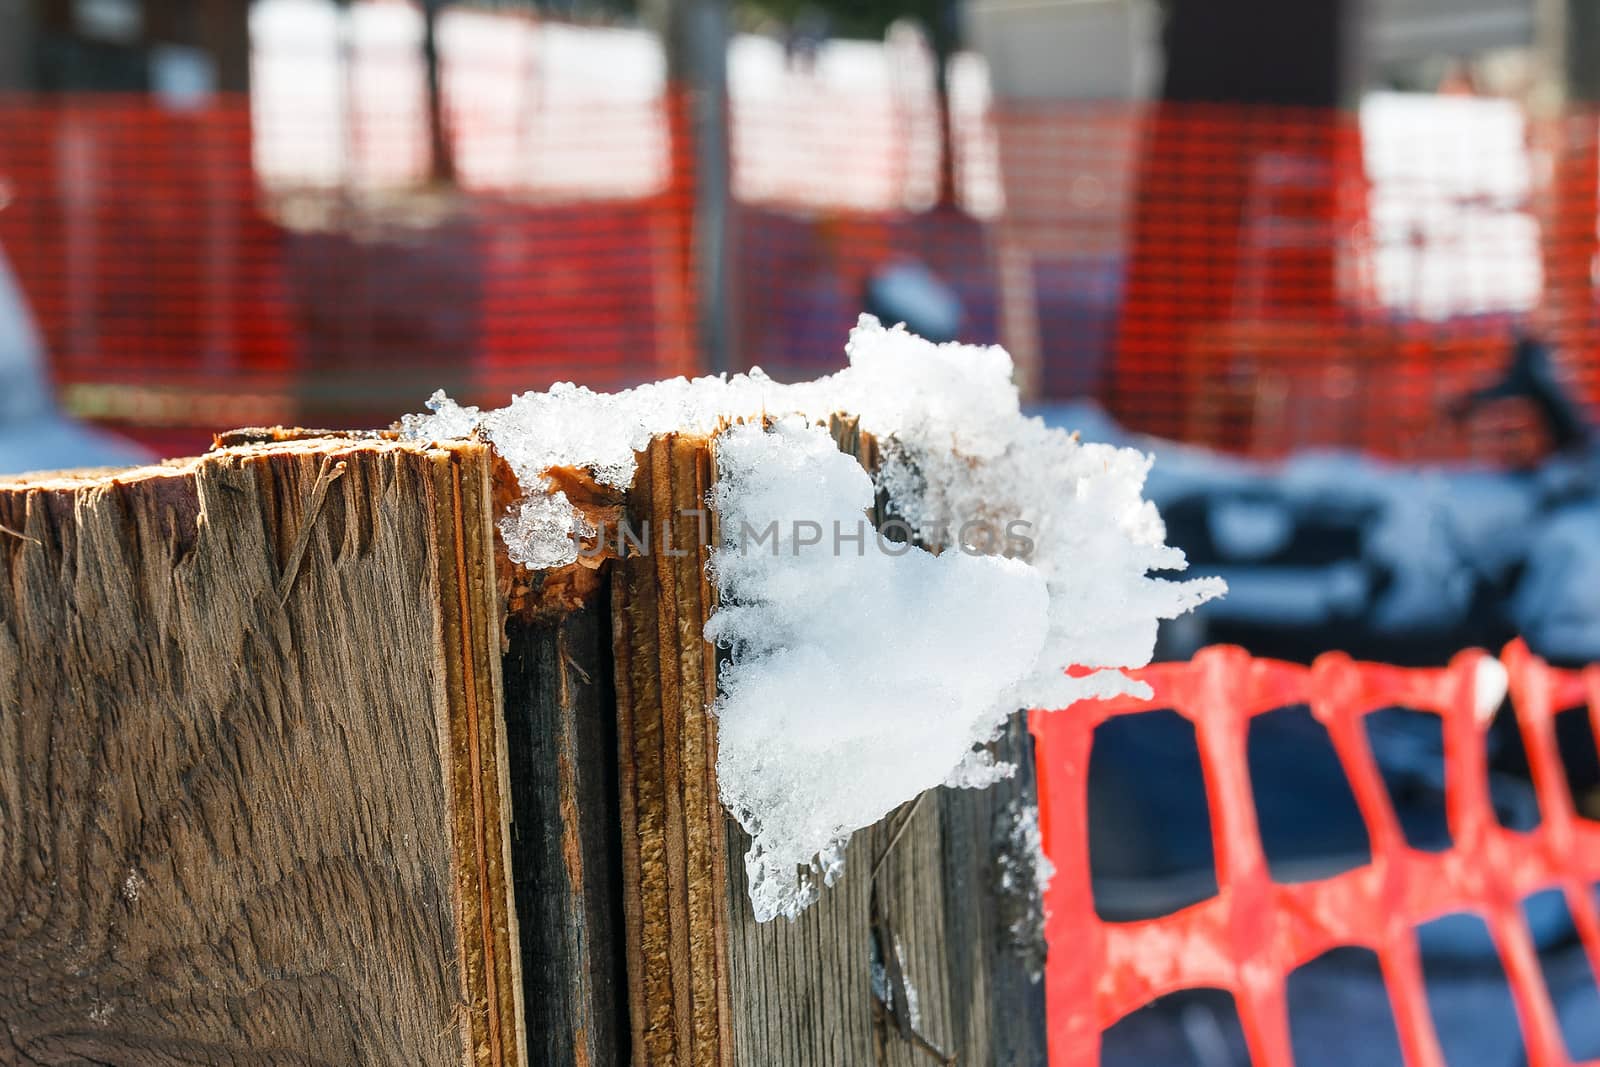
(924, 949)
(296, 761)
(303, 759)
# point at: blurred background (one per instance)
(1332, 261)
(1249, 225)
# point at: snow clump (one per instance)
(859, 673)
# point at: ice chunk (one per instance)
(543, 531)
(449, 419)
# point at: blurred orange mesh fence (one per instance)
(1301, 280)
(1255, 932)
(1251, 279)
(179, 283)
(1255, 280)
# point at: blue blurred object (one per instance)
(910, 293)
(34, 435)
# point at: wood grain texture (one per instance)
(252, 761)
(994, 931)
(673, 848)
(565, 836)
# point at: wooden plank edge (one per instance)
(673, 858)
(477, 774)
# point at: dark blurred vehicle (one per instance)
(1404, 564)
(34, 434)
(1397, 563)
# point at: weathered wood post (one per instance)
(919, 908)
(252, 762)
(296, 767)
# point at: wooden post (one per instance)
(252, 769)
(562, 751)
(295, 766)
(920, 902)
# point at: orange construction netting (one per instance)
(1255, 280)
(1255, 932)
(178, 280)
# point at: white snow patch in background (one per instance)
(859, 681)
(1450, 211)
(550, 109)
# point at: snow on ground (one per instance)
(882, 87)
(825, 728)
(537, 107)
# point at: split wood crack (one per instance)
(328, 473)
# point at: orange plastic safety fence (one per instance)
(1254, 932)
(1256, 280)
(179, 280)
